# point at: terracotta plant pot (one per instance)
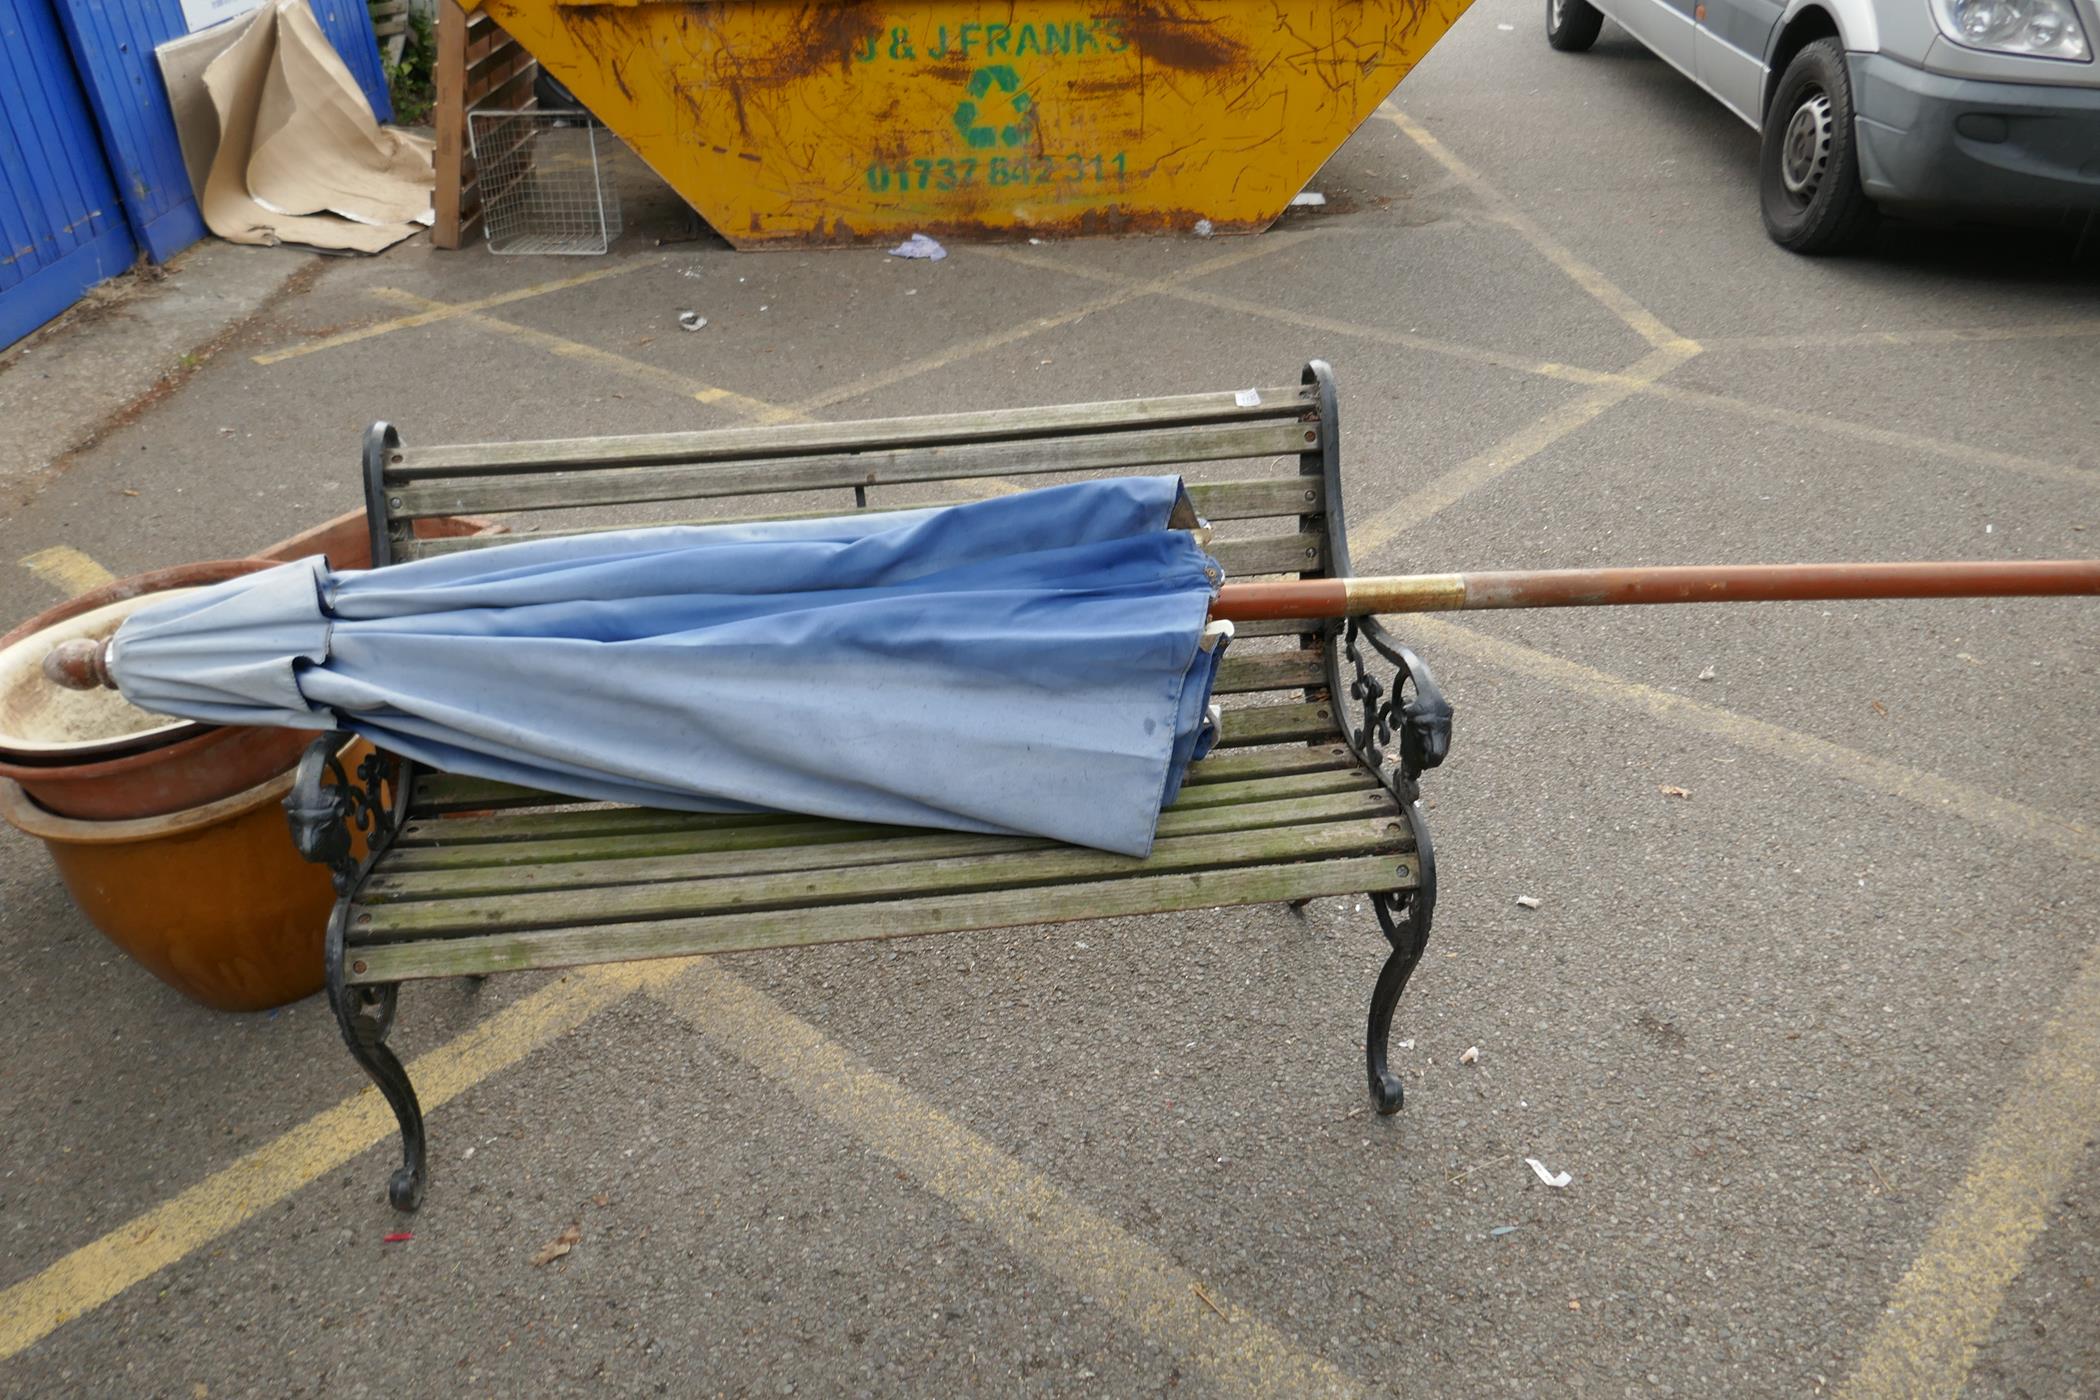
(216, 762)
(347, 540)
(215, 901)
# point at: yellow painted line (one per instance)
(1965, 453)
(1927, 790)
(1137, 1283)
(1927, 1338)
(67, 569)
(133, 1252)
(1484, 468)
(758, 410)
(1133, 290)
(1920, 336)
(444, 311)
(1641, 321)
(1405, 340)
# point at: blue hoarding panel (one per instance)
(62, 228)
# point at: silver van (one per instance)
(1930, 106)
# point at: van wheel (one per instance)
(1808, 171)
(1572, 25)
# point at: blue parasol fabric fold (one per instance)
(1030, 664)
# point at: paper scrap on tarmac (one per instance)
(1554, 1179)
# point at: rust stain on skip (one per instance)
(1179, 37)
(818, 39)
(799, 123)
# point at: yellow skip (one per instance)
(855, 123)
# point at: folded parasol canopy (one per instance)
(1031, 664)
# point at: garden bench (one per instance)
(1311, 791)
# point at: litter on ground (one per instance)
(1556, 1180)
(919, 246)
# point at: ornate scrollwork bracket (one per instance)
(1421, 721)
(326, 816)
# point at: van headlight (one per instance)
(2032, 28)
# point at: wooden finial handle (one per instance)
(81, 664)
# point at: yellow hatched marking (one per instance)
(442, 311)
(97, 1272)
(757, 410)
(1132, 290)
(1138, 1283)
(1512, 452)
(1639, 319)
(1927, 1338)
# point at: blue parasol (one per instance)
(1032, 664)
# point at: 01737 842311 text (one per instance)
(946, 173)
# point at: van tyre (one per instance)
(1572, 25)
(1808, 171)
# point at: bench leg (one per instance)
(1386, 1092)
(1404, 916)
(365, 1015)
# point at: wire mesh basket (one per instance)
(544, 186)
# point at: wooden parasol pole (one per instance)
(84, 664)
(1689, 583)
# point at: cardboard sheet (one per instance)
(297, 156)
(182, 65)
(317, 148)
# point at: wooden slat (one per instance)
(1276, 789)
(1265, 763)
(457, 792)
(1275, 670)
(491, 67)
(619, 821)
(513, 93)
(815, 839)
(453, 792)
(667, 841)
(1278, 627)
(722, 933)
(1280, 498)
(390, 886)
(854, 886)
(833, 471)
(730, 444)
(598, 819)
(1258, 500)
(1279, 724)
(1271, 554)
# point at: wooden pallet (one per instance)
(479, 68)
(390, 28)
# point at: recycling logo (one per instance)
(984, 127)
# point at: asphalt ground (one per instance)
(1819, 1044)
